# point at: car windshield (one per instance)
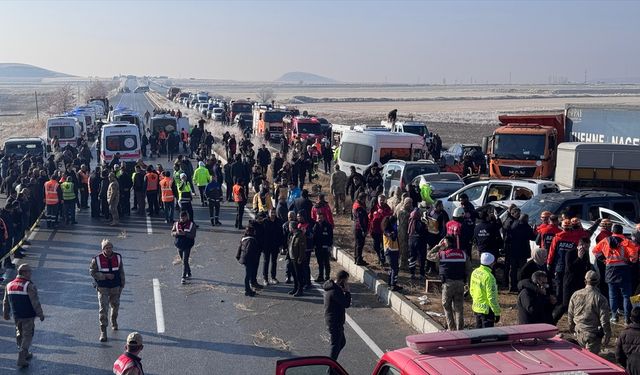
(420, 130)
(20, 149)
(411, 171)
(309, 128)
(162, 123)
(536, 205)
(519, 146)
(241, 107)
(442, 177)
(273, 116)
(62, 132)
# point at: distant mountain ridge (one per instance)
(13, 70)
(303, 77)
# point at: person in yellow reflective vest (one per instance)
(69, 198)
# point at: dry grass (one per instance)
(204, 288)
(263, 338)
(242, 307)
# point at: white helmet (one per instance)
(458, 212)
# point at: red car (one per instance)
(510, 350)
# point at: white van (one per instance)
(123, 138)
(67, 129)
(130, 117)
(363, 148)
(413, 127)
(20, 146)
(162, 122)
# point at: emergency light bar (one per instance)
(453, 340)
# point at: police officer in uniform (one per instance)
(21, 298)
(129, 362)
(108, 272)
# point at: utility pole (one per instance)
(509, 77)
(37, 110)
(585, 76)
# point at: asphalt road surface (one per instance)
(205, 327)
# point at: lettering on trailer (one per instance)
(601, 138)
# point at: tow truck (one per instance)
(529, 349)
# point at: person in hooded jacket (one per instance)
(519, 234)
(534, 302)
(417, 244)
(538, 262)
(322, 206)
(337, 298)
(249, 256)
(376, 216)
(628, 345)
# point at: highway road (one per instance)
(205, 327)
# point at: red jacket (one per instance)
(376, 217)
(546, 232)
(454, 229)
(325, 209)
(562, 242)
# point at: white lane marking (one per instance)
(149, 227)
(157, 297)
(352, 323)
(33, 234)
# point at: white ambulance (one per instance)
(67, 129)
(123, 138)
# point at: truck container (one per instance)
(526, 145)
(604, 166)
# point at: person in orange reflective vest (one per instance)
(240, 197)
(83, 180)
(21, 299)
(129, 362)
(151, 188)
(168, 193)
(618, 253)
(52, 199)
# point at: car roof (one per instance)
(548, 356)
(24, 139)
(416, 162)
(524, 182)
(565, 195)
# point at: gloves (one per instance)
(497, 319)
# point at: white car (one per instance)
(483, 192)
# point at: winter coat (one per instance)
(336, 301)
(325, 209)
(520, 235)
(297, 247)
(248, 252)
(574, 270)
(533, 305)
(376, 217)
(304, 206)
(628, 349)
(338, 183)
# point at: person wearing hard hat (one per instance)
(484, 292)
(618, 253)
(546, 230)
(129, 362)
(21, 299)
(589, 315)
(454, 226)
(108, 272)
(565, 241)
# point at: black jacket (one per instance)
(248, 252)
(335, 302)
(533, 306)
(304, 206)
(520, 235)
(628, 349)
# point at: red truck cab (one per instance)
(303, 127)
(511, 350)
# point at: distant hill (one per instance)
(11, 70)
(302, 77)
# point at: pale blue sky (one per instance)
(353, 41)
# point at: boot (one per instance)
(114, 326)
(103, 334)
(22, 359)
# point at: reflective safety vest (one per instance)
(165, 188)
(152, 181)
(184, 192)
(125, 362)
(452, 264)
(622, 254)
(19, 298)
(67, 191)
(238, 195)
(84, 177)
(51, 192)
(112, 266)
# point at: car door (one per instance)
(475, 192)
(309, 366)
(496, 192)
(615, 217)
(391, 177)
